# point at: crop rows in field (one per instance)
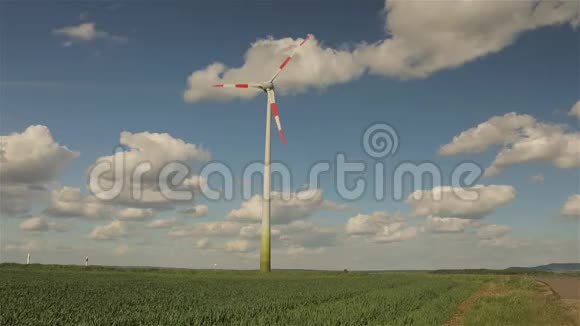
(59, 296)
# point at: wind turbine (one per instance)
(271, 107)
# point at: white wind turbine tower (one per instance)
(268, 87)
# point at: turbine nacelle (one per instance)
(265, 86)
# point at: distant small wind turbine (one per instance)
(268, 88)
(28, 259)
(87, 261)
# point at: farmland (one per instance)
(31, 295)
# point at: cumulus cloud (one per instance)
(470, 202)
(370, 223)
(86, 32)
(524, 139)
(430, 36)
(40, 224)
(492, 231)
(150, 153)
(495, 235)
(571, 207)
(69, 202)
(437, 224)
(380, 227)
(302, 233)
(32, 157)
(203, 243)
(163, 223)
(424, 37)
(239, 246)
(286, 207)
(396, 232)
(495, 131)
(110, 231)
(195, 211)
(29, 162)
(575, 110)
(134, 214)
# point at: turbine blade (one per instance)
(236, 85)
(274, 107)
(288, 58)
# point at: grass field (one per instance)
(33, 295)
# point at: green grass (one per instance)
(50, 295)
(517, 301)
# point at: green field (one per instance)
(50, 295)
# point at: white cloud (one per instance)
(32, 157)
(40, 224)
(493, 231)
(110, 231)
(370, 224)
(430, 36)
(453, 202)
(195, 211)
(155, 148)
(134, 214)
(446, 224)
(424, 37)
(495, 131)
(69, 202)
(144, 148)
(239, 246)
(163, 223)
(539, 178)
(298, 233)
(314, 66)
(396, 232)
(286, 207)
(380, 227)
(495, 235)
(252, 231)
(203, 243)
(86, 32)
(306, 234)
(575, 110)
(524, 140)
(571, 207)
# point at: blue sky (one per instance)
(89, 92)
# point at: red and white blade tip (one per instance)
(231, 85)
(274, 107)
(281, 133)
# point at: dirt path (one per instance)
(567, 288)
(485, 289)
